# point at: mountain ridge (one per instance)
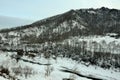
(82, 22)
(86, 16)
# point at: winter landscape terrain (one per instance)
(81, 44)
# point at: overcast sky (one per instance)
(39, 9)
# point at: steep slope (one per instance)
(72, 23)
(101, 21)
(64, 25)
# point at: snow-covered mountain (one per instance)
(72, 23)
(88, 36)
(7, 22)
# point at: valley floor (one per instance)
(24, 70)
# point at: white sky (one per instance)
(39, 9)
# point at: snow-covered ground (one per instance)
(96, 38)
(39, 72)
(96, 43)
(1, 78)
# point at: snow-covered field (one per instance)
(96, 43)
(52, 72)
